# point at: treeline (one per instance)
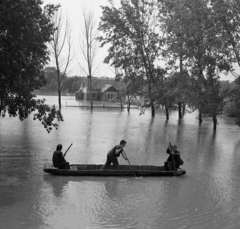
(72, 84)
(197, 41)
(69, 85)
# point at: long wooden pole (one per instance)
(174, 166)
(129, 163)
(67, 150)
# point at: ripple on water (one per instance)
(207, 197)
(135, 203)
(210, 203)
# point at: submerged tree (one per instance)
(89, 46)
(132, 84)
(228, 19)
(133, 30)
(235, 98)
(206, 55)
(61, 49)
(174, 19)
(25, 28)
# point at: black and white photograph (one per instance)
(119, 114)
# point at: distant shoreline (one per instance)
(85, 103)
(54, 93)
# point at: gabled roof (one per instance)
(108, 87)
(99, 83)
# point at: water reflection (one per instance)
(131, 203)
(57, 184)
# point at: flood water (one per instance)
(206, 197)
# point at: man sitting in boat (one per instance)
(59, 160)
(113, 154)
(174, 160)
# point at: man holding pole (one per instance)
(58, 158)
(174, 158)
(113, 154)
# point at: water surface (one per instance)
(206, 197)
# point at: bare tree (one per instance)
(61, 49)
(89, 46)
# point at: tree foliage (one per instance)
(135, 40)
(196, 36)
(227, 17)
(25, 28)
(235, 98)
(132, 84)
(197, 39)
(70, 84)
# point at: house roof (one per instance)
(108, 87)
(99, 83)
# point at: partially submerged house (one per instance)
(103, 89)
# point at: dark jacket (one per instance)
(177, 159)
(58, 158)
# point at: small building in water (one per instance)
(103, 89)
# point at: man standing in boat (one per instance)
(174, 158)
(113, 154)
(58, 158)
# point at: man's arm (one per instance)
(118, 149)
(63, 158)
(169, 151)
(124, 155)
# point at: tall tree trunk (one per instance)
(167, 112)
(152, 108)
(61, 39)
(181, 64)
(59, 99)
(120, 99)
(90, 79)
(128, 108)
(59, 90)
(179, 110)
(88, 46)
(200, 116)
(214, 117)
(181, 72)
(184, 109)
(129, 104)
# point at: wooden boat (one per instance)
(123, 170)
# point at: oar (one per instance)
(175, 172)
(67, 150)
(129, 163)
